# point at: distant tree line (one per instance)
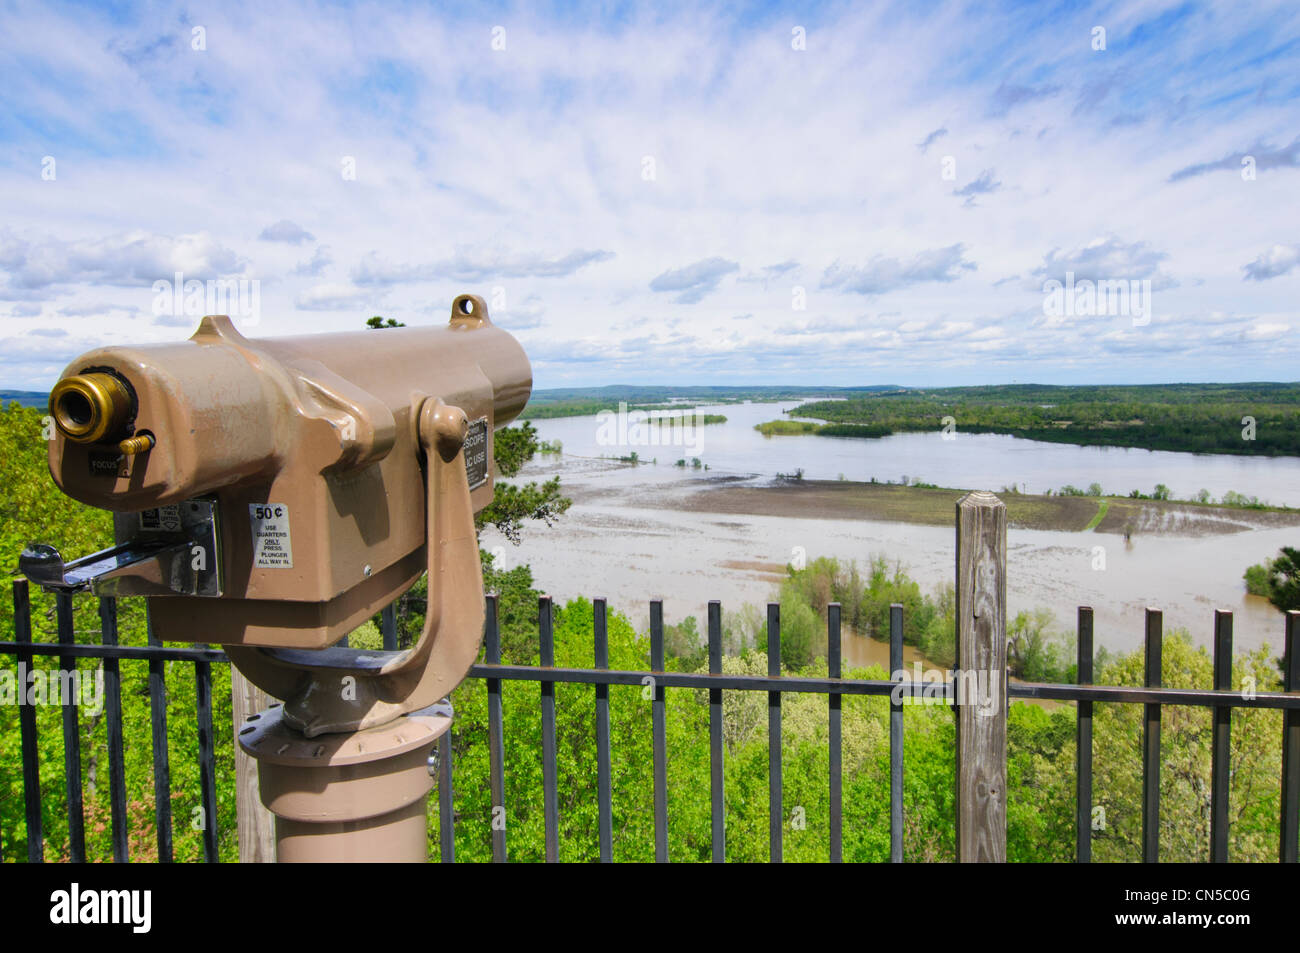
(1256, 419)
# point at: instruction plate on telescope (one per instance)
(272, 545)
(476, 452)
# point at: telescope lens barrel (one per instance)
(91, 408)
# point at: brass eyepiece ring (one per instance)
(91, 408)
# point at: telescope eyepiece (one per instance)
(91, 408)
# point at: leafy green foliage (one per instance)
(1037, 653)
(929, 762)
(1185, 742)
(513, 504)
(1040, 765)
(32, 508)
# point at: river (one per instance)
(970, 461)
(624, 539)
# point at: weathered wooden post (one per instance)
(256, 823)
(980, 679)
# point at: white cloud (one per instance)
(476, 265)
(1104, 259)
(1264, 156)
(335, 297)
(526, 170)
(134, 258)
(316, 265)
(882, 274)
(1277, 261)
(287, 232)
(1262, 331)
(695, 280)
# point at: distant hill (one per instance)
(28, 398)
(650, 393)
(581, 401)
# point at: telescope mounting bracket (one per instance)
(341, 689)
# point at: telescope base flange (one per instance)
(356, 797)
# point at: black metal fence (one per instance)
(1221, 699)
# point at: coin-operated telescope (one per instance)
(271, 495)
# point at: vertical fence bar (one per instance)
(835, 726)
(775, 805)
(27, 728)
(1151, 742)
(388, 627)
(207, 759)
(1083, 744)
(446, 802)
(1287, 852)
(71, 736)
(550, 796)
(981, 672)
(716, 798)
(1219, 765)
(895, 738)
(113, 711)
(162, 775)
(604, 795)
(660, 733)
(496, 734)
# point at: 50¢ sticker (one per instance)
(272, 544)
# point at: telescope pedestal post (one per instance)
(358, 796)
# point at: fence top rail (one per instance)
(943, 689)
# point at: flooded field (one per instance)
(640, 532)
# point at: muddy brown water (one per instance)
(624, 539)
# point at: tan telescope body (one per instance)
(311, 448)
(272, 495)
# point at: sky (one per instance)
(841, 194)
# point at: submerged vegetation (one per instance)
(1277, 580)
